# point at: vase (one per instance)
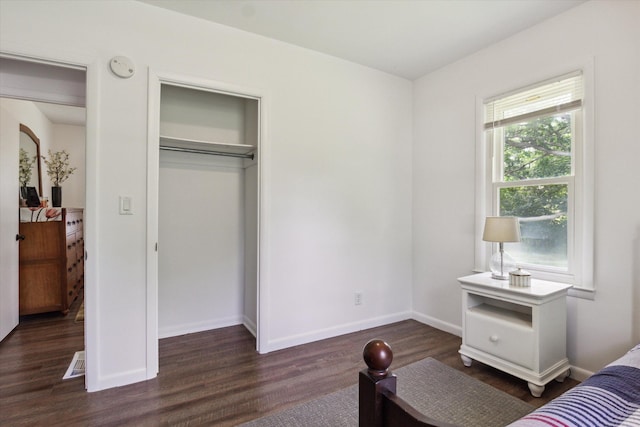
(56, 196)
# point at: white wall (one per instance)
(28, 114)
(250, 297)
(606, 33)
(54, 137)
(337, 171)
(201, 242)
(72, 139)
(205, 279)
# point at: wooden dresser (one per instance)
(51, 263)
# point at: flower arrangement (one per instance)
(26, 165)
(58, 167)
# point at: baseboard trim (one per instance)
(121, 379)
(437, 323)
(347, 328)
(190, 328)
(250, 325)
(579, 374)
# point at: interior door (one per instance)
(9, 140)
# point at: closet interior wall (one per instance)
(208, 206)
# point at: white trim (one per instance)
(585, 188)
(198, 83)
(121, 378)
(153, 178)
(580, 374)
(194, 327)
(92, 348)
(264, 184)
(334, 331)
(250, 325)
(437, 323)
(483, 159)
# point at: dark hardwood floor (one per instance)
(209, 378)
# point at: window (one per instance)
(534, 169)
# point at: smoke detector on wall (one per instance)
(122, 66)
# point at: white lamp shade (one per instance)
(501, 229)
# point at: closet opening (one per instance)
(208, 173)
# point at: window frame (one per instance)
(580, 205)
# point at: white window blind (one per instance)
(561, 94)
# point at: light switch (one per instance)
(126, 207)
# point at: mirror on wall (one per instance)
(30, 143)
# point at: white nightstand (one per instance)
(519, 330)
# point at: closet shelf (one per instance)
(194, 144)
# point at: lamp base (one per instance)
(501, 264)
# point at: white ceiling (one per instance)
(407, 38)
(63, 114)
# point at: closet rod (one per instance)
(213, 153)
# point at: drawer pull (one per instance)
(494, 338)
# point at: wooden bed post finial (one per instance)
(378, 403)
(373, 382)
(378, 356)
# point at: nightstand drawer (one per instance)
(506, 335)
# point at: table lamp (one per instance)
(501, 229)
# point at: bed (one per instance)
(610, 397)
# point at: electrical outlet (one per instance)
(357, 298)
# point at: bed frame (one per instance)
(378, 403)
(609, 397)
